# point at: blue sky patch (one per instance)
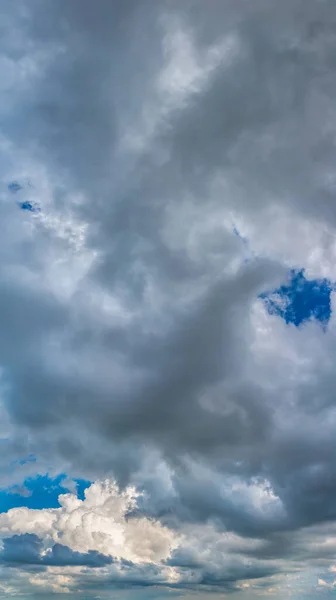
(301, 299)
(238, 234)
(26, 205)
(39, 492)
(14, 187)
(31, 458)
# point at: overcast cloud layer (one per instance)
(165, 167)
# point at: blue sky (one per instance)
(167, 293)
(301, 299)
(40, 492)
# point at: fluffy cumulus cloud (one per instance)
(167, 296)
(97, 523)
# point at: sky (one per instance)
(167, 296)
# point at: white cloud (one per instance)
(99, 522)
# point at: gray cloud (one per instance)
(26, 549)
(133, 344)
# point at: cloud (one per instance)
(96, 524)
(136, 347)
(128, 550)
(27, 549)
(101, 532)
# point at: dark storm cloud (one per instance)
(208, 578)
(176, 373)
(23, 550)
